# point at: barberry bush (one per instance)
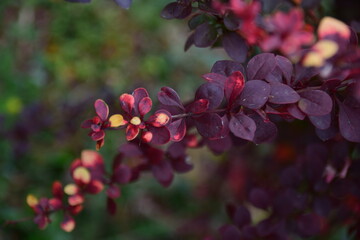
(281, 113)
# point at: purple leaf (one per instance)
(163, 173)
(168, 97)
(260, 66)
(309, 225)
(205, 35)
(215, 78)
(189, 42)
(349, 122)
(212, 92)
(199, 106)
(283, 69)
(315, 102)
(255, 94)
(235, 46)
(227, 67)
(122, 174)
(282, 94)
(124, 3)
(266, 131)
(230, 233)
(176, 10)
(209, 125)
(102, 109)
(295, 112)
(242, 126)
(321, 122)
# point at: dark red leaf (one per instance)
(212, 92)
(241, 217)
(205, 35)
(234, 86)
(209, 125)
(315, 102)
(255, 94)
(349, 122)
(242, 126)
(87, 123)
(122, 174)
(282, 94)
(131, 132)
(57, 190)
(227, 67)
(113, 191)
(235, 46)
(127, 102)
(230, 233)
(199, 106)
(102, 109)
(96, 136)
(260, 66)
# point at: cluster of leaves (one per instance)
(236, 105)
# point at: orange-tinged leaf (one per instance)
(117, 120)
(330, 26)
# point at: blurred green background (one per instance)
(56, 58)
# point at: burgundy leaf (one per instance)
(113, 191)
(96, 136)
(315, 102)
(227, 67)
(199, 106)
(218, 146)
(234, 86)
(321, 122)
(168, 97)
(102, 109)
(131, 132)
(255, 94)
(145, 105)
(160, 135)
(282, 94)
(235, 46)
(230, 233)
(242, 126)
(309, 225)
(87, 123)
(349, 122)
(205, 35)
(209, 125)
(212, 92)
(260, 66)
(163, 173)
(177, 130)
